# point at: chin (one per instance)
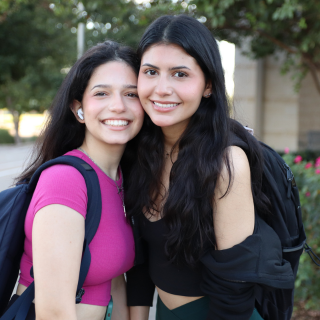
(116, 141)
(160, 122)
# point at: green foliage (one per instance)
(5, 137)
(8, 6)
(307, 176)
(29, 139)
(270, 26)
(307, 155)
(39, 37)
(115, 20)
(267, 27)
(35, 47)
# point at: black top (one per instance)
(179, 280)
(231, 278)
(254, 273)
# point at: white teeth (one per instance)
(166, 105)
(116, 123)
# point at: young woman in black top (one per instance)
(194, 191)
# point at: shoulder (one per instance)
(61, 184)
(62, 180)
(238, 157)
(61, 172)
(233, 201)
(235, 170)
(239, 163)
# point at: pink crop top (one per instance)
(112, 248)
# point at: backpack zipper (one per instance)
(290, 179)
(235, 281)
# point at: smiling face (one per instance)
(171, 85)
(111, 108)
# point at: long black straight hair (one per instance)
(62, 132)
(188, 209)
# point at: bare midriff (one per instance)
(172, 301)
(84, 311)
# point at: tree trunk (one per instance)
(16, 120)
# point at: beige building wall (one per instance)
(281, 108)
(266, 101)
(245, 80)
(309, 114)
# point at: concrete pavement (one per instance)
(13, 160)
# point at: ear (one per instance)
(208, 90)
(75, 106)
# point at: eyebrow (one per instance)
(173, 68)
(126, 86)
(179, 67)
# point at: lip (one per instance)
(116, 118)
(160, 109)
(116, 128)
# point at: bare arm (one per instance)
(234, 213)
(139, 313)
(57, 240)
(120, 310)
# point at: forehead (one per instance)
(168, 54)
(113, 72)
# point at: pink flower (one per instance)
(317, 163)
(308, 165)
(317, 171)
(308, 194)
(286, 150)
(298, 159)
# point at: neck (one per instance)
(106, 156)
(172, 134)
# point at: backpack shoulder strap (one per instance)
(93, 189)
(94, 207)
(20, 308)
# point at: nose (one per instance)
(163, 87)
(117, 104)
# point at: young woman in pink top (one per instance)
(95, 113)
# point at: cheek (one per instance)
(136, 109)
(144, 88)
(91, 107)
(139, 112)
(191, 92)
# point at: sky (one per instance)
(227, 52)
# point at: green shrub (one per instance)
(5, 137)
(307, 176)
(307, 155)
(29, 139)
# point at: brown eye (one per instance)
(150, 72)
(180, 74)
(100, 94)
(132, 95)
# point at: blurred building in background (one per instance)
(266, 101)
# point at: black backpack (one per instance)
(14, 203)
(286, 220)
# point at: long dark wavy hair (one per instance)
(63, 132)
(188, 209)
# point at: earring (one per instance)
(80, 114)
(207, 95)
